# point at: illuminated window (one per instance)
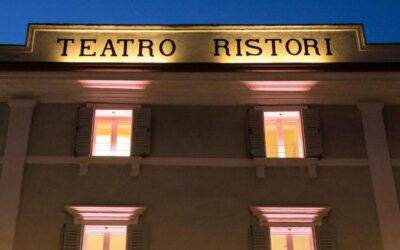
(104, 238)
(293, 228)
(104, 228)
(283, 134)
(291, 238)
(112, 132)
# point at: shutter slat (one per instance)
(83, 134)
(255, 133)
(141, 132)
(71, 237)
(137, 237)
(259, 238)
(312, 133)
(325, 238)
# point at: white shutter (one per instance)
(325, 238)
(83, 133)
(141, 132)
(71, 237)
(312, 133)
(255, 133)
(259, 238)
(136, 237)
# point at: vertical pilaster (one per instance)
(381, 174)
(13, 168)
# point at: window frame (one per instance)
(289, 236)
(286, 109)
(115, 122)
(105, 234)
(111, 107)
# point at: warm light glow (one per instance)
(112, 133)
(114, 84)
(291, 238)
(104, 238)
(280, 85)
(283, 134)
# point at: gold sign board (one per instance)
(198, 44)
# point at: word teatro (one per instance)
(119, 47)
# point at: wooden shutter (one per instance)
(141, 132)
(71, 237)
(136, 237)
(83, 133)
(259, 238)
(255, 133)
(325, 238)
(312, 133)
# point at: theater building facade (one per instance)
(199, 138)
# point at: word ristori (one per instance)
(216, 47)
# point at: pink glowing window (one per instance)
(283, 134)
(104, 238)
(112, 132)
(292, 238)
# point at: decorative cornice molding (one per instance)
(105, 215)
(290, 216)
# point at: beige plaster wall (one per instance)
(391, 115)
(4, 113)
(52, 130)
(196, 208)
(342, 132)
(198, 131)
(396, 173)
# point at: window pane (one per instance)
(102, 137)
(290, 139)
(278, 242)
(94, 242)
(123, 146)
(301, 242)
(271, 139)
(117, 242)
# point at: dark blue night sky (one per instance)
(381, 19)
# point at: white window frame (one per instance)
(106, 236)
(301, 138)
(280, 231)
(110, 107)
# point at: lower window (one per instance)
(104, 228)
(291, 228)
(291, 238)
(104, 238)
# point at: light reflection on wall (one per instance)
(115, 84)
(280, 85)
